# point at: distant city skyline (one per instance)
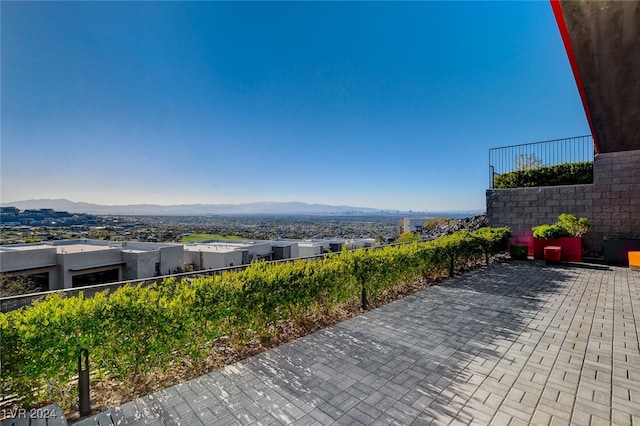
(382, 105)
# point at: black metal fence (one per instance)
(539, 154)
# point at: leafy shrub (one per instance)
(135, 329)
(560, 174)
(549, 231)
(567, 226)
(431, 223)
(574, 226)
(407, 237)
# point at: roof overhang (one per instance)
(34, 269)
(602, 40)
(98, 266)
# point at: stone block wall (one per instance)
(611, 203)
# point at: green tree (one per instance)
(528, 161)
(574, 226)
(431, 223)
(13, 285)
(407, 237)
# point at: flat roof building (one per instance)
(285, 249)
(308, 248)
(76, 263)
(144, 260)
(87, 262)
(411, 224)
(204, 256)
(38, 261)
(213, 254)
(355, 243)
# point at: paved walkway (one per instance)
(509, 344)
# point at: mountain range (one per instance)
(189, 209)
(258, 208)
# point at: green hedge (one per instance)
(560, 174)
(134, 329)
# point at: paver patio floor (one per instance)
(507, 344)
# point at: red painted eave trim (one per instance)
(566, 39)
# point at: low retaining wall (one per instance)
(611, 203)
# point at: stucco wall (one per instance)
(17, 260)
(27, 262)
(611, 203)
(260, 249)
(89, 260)
(141, 259)
(213, 259)
(139, 264)
(171, 259)
(310, 250)
(221, 260)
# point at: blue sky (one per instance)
(388, 105)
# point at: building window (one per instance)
(94, 278)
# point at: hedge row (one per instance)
(560, 174)
(135, 329)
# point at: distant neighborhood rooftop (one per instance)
(220, 248)
(24, 247)
(79, 248)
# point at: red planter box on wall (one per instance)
(571, 247)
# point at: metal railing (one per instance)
(539, 154)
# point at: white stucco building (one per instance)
(151, 259)
(224, 253)
(308, 248)
(411, 224)
(360, 243)
(39, 261)
(211, 256)
(285, 249)
(76, 263)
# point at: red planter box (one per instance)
(571, 247)
(523, 236)
(552, 253)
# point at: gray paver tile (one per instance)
(541, 418)
(505, 344)
(347, 420)
(501, 419)
(362, 416)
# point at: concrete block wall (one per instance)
(611, 203)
